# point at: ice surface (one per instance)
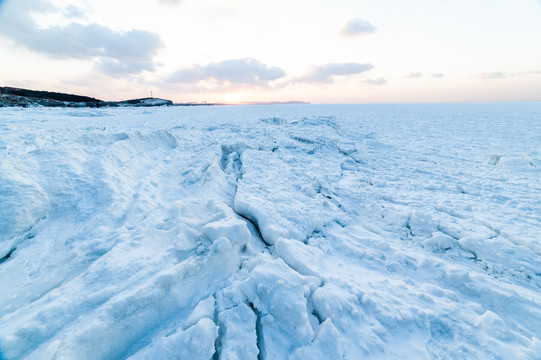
(271, 232)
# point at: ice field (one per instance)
(271, 232)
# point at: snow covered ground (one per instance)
(271, 232)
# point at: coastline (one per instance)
(16, 97)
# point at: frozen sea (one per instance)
(271, 232)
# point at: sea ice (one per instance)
(271, 232)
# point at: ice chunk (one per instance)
(303, 258)
(233, 229)
(326, 345)
(342, 307)
(196, 342)
(277, 293)
(421, 224)
(238, 339)
(439, 242)
(204, 309)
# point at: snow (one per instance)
(271, 232)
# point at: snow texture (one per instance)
(271, 232)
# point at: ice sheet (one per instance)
(271, 232)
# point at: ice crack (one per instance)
(259, 333)
(7, 256)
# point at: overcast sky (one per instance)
(321, 51)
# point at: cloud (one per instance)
(74, 12)
(414, 75)
(133, 50)
(532, 72)
(376, 81)
(492, 75)
(86, 41)
(114, 67)
(357, 26)
(235, 71)
(325, 73)
(437, 75)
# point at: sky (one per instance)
(236, 51)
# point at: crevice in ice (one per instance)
(7, 256)
(333, 200)
(318, 316)
(218, 341)
(448, 233)
(316, 233)
(304, 140)
(259, 333)
(27, 234)
(475, 258)
(255, 225)
(408, 227)
(237, 168)
(449, 212)
(350, 155)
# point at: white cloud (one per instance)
(112, 67)
(532, 72)
(357, 26)
(438, 75)
(236, 71)
(325, 73)
(74, 12)
(414, 75)
(80, 41)
(492, 75)
(376, 81)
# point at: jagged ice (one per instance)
(271, 232)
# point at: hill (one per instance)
(10, 96)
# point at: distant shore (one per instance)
(16, 97)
